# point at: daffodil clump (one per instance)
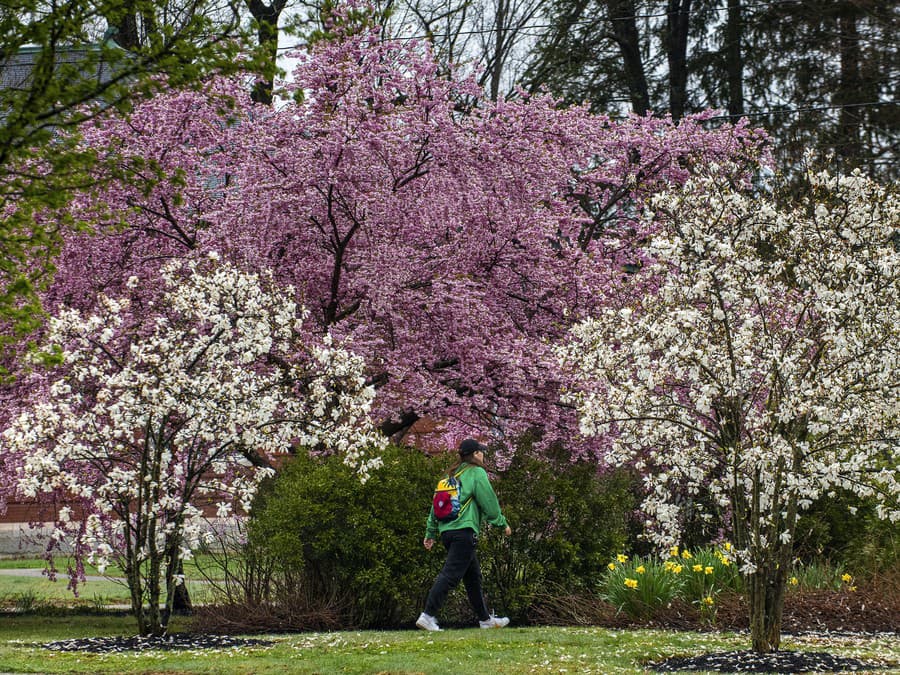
(637, 586)
(821, 575)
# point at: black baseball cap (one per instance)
(470, 446)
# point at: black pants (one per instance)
(461, 565)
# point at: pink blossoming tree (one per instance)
(452, 238)
(761, 372)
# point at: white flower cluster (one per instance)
(762, 369)
(160, 409)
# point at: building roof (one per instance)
(15, 71)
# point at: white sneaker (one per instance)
(427, 622)
(494, 622)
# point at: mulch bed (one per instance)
(868, 612)
(173, 642)
(778, 662)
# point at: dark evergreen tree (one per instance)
(820, 75)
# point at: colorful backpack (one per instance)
(446, 498)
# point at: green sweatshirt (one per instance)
(475, 488)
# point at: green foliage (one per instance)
(820, 574)
(566, 521)
(707, 572)
(845, 529)
(332, 537)
(336, 537)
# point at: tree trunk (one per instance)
(677, 26)
(128, 34)
(847, 144)
(734, 58)
(501, 35)
(624, 27)
(180, 597)
(766, 596)
(773, 552)
(266, 17)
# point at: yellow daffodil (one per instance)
(727, 546)
(611, 566)
(698, 568)
(708, 600)
(677, 569)
(707, 570)
(673, 551)
(794, 581)
(853, 589)
(631, 583)
(640, 569)
(686, 555)
(622, 558)
(846, 577)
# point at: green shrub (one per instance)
(318, 533)
(334, 537)
(844, 528)
(566, 520)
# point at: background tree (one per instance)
(489, 38)
(814, 74)
(614, 52)
(827, 74)
(760, 368)
(56, 73)
(265, 19)
(163, 401)
(137, 25)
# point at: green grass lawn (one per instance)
(191, 567)
(26, 592)
(508, 651)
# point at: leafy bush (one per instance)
(566, 520)
(356, 544)
(844, 529)
(320, 536)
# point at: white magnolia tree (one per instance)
(760, 371)
(171, 401)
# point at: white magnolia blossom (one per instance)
(162, 408)
(761, 369)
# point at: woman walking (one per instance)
(459, 536)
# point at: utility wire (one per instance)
(586, 22)
(788, 111)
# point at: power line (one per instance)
(586, 22)
(787, 111)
